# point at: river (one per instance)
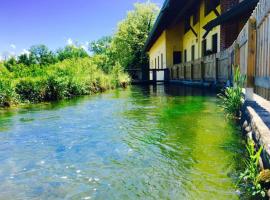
(153, 142)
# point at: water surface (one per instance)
(151, 142)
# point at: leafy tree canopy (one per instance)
(100, 46)
(132, 33)
(40, 54)
(71, 51)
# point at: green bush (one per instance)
(77, 87)
(7, 93)
(250, 180)
(57, 88)
(66, 79)
(31, 89)
(232, 99)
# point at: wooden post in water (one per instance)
(251, 58)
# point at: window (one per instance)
(204, 47)
(185, 55)
(177, 57)
(161, 61)
(155, 63)
(187, 24)
(210, 5)
(193, 52)
(158, 62)
(215, 43)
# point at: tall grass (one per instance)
(66, 79)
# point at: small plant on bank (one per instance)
(232, 99)
(252, 181)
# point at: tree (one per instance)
(100, 46)
(71, 51)
(26, 59)
(10, 63)
(132, 33)
(40, 54)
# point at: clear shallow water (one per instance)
(141, 143)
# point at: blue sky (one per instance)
(54, 22)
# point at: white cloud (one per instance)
(69, 41)
(84, 47)
(24, 51)
(13, 46)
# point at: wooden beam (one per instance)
(251, 57)
(216, 12)
(193, 31)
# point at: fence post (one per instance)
(236, 56)
(216, 69)
(155, 75)
(191, 71)
(251, 58)
(202, 71)
(177, 68)
(185, 71)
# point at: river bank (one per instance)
(63, 80)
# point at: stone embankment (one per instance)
(256, 125)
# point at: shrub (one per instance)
(232, 99)
(31, 89)
(57, 88)
(72, 77)
(7, 93)
(77, 87)
(251, 180)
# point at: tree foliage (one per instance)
(125, 48)
(100, 46)
(41, 55)
(132, 33)
(71, 51)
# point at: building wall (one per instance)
(156, 52)
(175, 39)
(174, 42)
(190, 39)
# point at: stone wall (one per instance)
(255, 125)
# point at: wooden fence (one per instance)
(250, 51)
(215, 68)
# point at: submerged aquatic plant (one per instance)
(232, 99)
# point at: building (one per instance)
(186, 30)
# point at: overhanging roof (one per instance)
(171, 11)
(236, 11)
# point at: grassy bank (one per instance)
(66, 79)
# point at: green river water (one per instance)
(154, 142)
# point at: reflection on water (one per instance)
(151, 142)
